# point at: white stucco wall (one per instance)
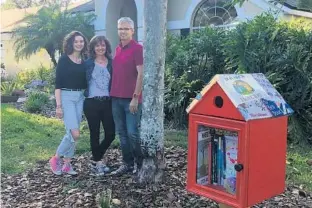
(12, 66)
(109, 11)
(249, 10)
(177, 9)
(100, 12)
(180, 14)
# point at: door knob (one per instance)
(238, 167)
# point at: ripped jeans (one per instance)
(72, 106)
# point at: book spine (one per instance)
(215, 155)
(212, 163)
(220, 162)
(209, 162)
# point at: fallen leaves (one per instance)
(39, 188)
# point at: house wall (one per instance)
(100, 12)
(180, 15)
(177, 9)
(109, 11)
(12, 66)
(249, 10)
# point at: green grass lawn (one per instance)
(298, 172)
(28, 138)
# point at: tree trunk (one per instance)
(152, 123)
(51, 53)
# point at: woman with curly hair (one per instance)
(98, 104)
(70, 83)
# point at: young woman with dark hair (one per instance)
(70, 83)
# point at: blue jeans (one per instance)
(72, 105)
(127, 127)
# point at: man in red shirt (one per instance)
(125, 91)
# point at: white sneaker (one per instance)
(99, 168)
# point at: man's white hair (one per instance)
(127, 20)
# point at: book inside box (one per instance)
(216, 157)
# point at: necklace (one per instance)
(76, 59)
(101, 62)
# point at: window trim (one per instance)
(227, 11)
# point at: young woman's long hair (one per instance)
(68, 44)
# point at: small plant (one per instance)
(72, 185)
(104, 200)
(8, 87)
(35, 101)
(3, 72)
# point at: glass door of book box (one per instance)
(216, 157)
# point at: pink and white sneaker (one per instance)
(56, 165)
(68, 169)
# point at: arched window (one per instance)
(214, 13)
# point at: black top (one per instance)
(69, 74)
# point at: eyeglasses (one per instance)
(125, 29)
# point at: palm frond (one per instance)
(47, 28)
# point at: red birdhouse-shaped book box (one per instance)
(237, 140)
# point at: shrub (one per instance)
(36, 101)
(283, 52)
(190, 63)
(280, 50)
(43, 74)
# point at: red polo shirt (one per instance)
(125, 74)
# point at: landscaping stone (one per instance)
(21, 99)
(8, 99)
(20, 93)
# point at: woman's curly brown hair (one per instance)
(100, 39)
(68, 43)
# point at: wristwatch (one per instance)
(135, 96)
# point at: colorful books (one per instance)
(202, 157)
(216, 157)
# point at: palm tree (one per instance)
(46, 30)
